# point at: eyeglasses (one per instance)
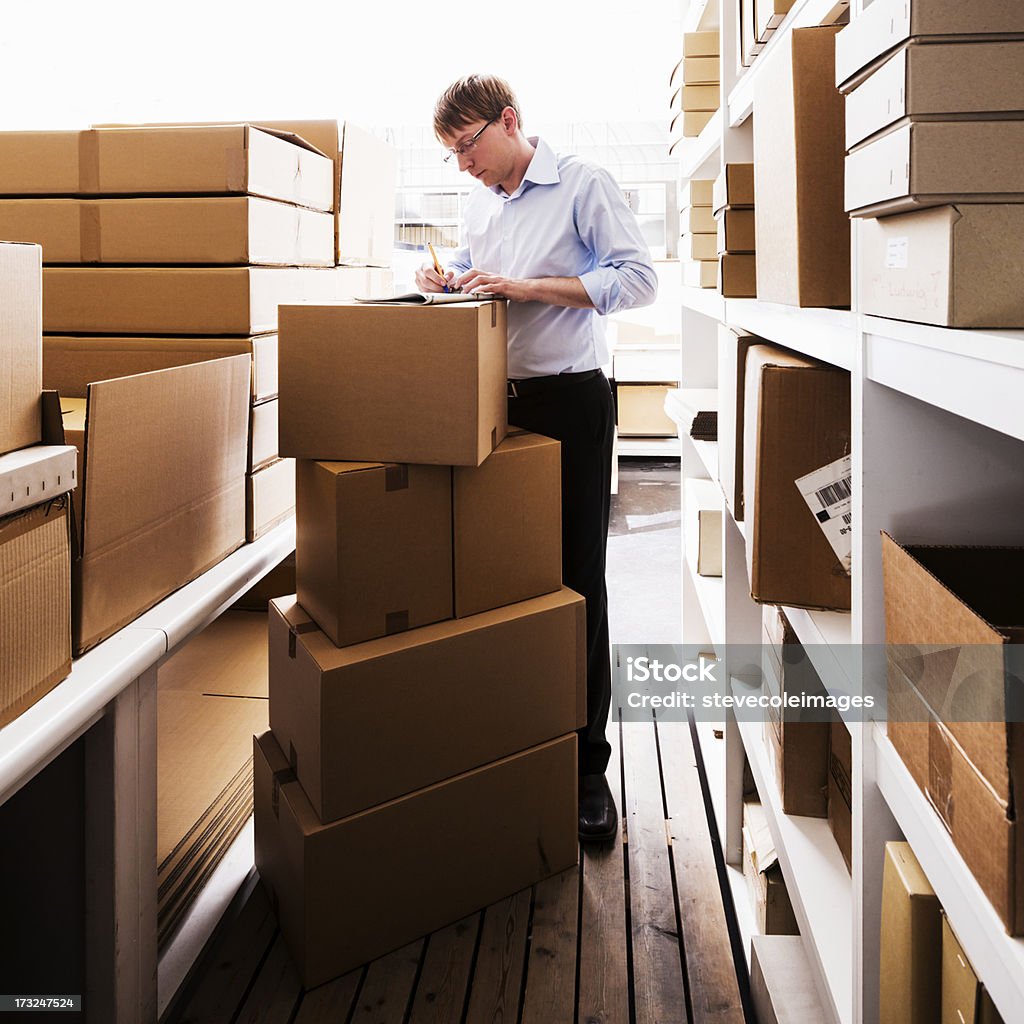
(470, 144)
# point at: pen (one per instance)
(437, 265)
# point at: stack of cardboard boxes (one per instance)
(696, 220)
(428, 676)
(35, 548)
(696, 85)
(935, 171)
(733, 208)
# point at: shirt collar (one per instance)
(543, 169)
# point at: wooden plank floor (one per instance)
(636, 934)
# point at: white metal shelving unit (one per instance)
(110, 699)
(938, 456)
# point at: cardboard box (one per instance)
(936, 163)
(507, 524)
(733, 187)
(393, 383)
(366, 200)
(33, 475)
(732, 367)
(262, 435)
(21, 363)
(796, 418)
(641, 411)
(700, 273)
(698, 247)
(690, 122)
(700, 97)
(373, 547)
(782, 983)
(799, 750)
(368, 723)
(798, 161)
(160, 511)
(954, 266)
(702, 534)
(328, 883)
(951, 640)
(700, 44)
(697, 192)
(773, 909)
(768, 16)
(709, 533)
(964, 1000)
(70, 363)
(269, 497)
(35, 605)
(184, 160)
(911, 941)
(700, 71)
(191, 300)
(885, 24)
(235, 229)
(840, 789)
(937, 82)
(697, 220)
(736, 231)
(737, 275)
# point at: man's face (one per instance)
(488, 157)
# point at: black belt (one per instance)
(556, 381)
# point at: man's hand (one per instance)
(511, 288)
(555, 291)
(429, 280)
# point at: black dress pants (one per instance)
(581, 416)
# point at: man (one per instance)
(554, 236)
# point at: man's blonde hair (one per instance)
(473, 98)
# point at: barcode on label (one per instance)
(848, 518)
(834, 493)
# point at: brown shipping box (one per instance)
(262, 435)
(700, 44)
(796, 419)
(700, 97)
(840, 789)
(700, 273)
(697, 192)
(269, 497)
(964, 1000)
(938, 82)
(507, 521)
(954, 266)
(35, 605)
(697, 220)
(694, 122)
(214, 159)
(393, 383)
(799, 750)
(641, 411)
(700, 71)
(163, 509)
(886, 24)
(329, 882)
(798, 161)
(191, 300)
(772, 906)
(737, 275)
(935, 163)
(954, 621)
(207, 229)
(736, 231)
(910, 958)
(732, 371)
(71, 363)
(733, 187)
(519, 679)
(21, 362)
(373, 547)
(698, 247)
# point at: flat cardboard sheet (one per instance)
(21, 362)
(369, 722)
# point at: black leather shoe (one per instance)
(599, 821)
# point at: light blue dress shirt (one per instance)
(568, 218)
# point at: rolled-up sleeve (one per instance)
(623, 275)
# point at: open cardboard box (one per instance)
(161, 495)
